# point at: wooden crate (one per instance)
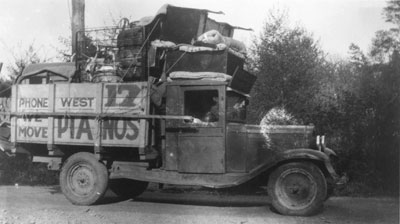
(242, 81)
(204, 61)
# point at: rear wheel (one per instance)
(127, 188)
(297, 188)
(83, 179)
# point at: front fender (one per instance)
(311, 154)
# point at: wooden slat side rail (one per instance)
(97, 115)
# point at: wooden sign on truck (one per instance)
(68, 114)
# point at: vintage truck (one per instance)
(135, 107)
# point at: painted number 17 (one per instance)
(121, 95)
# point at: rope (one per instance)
(176, 62)
(5, 89)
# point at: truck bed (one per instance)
(68, 113)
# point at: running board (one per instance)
(135, 171)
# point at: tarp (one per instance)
(64, 69)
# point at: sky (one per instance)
(335, 23)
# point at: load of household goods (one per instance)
(176, 44)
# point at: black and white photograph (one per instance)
(199, 112)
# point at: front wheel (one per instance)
(297, 188)
(83, 179)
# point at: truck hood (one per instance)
(277, 136)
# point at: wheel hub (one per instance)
(81, 179)
(294, 189)
(297, 189)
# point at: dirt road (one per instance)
(35, 205)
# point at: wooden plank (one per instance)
(122, 132)
(50, 138)
(76, 89)
(99, 96)
(144, 140)
(31, 129)
(13, 130)
(81, 131)
(100, 115)
(113, 132)
(125, 97)
(98, 123)
(74, 130)
(136, 105)
(32, 98)
(14, 95)
(76, 97)
(43, 115)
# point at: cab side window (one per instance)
(203, 105)
(236, 107)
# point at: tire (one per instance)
(83, 179)
(127, 188)
(297, 188)
(330, 190)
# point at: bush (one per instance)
(21, 170)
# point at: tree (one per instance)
(355, 101)
(357, 57)
(23, 57)
(285, 60)
(386, 100)
(392, 12)
(386, 42)
(372, 110)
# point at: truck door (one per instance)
(196, 146)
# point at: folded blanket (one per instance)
(214, 76)
(163, 44)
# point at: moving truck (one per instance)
(162, 100)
